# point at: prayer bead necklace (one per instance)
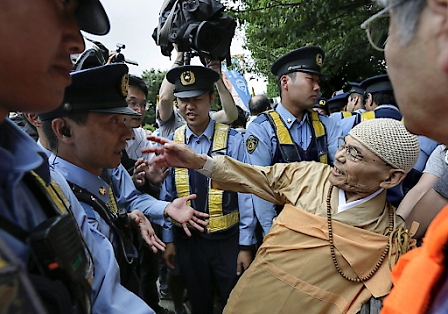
(333, 255)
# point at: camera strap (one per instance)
(163, 32)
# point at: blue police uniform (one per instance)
(205, 256)
(266, 150)
(19, 155)
(347, 123)
(129, 197)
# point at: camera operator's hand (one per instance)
(112, 55)
(214, 64)
(228, 113)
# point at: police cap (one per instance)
(306, 59)
(91, 17)
(321, 102)
(101, 89)
(337, 102)
(356, 87)
(378, 83)
(192, 80)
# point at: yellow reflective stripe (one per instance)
(319, 130)
(217, 221)
(369, 115)
(281, 130)
(181, 174)
(223, 222)
(55, 193)
(220, 136)
(215, 202)
(346, 114)
(318, 127)
(215, 197)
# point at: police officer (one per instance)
(355, 102)
(95, 104)
(336, 106)
(293, 131)
(214, 257)
(379, 102)
(321, 106)
(31, 192)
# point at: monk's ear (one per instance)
(395, 176)
(439, 13)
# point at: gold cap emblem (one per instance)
(319, 60)
(322, 102)
(124, 85)
(187, 78)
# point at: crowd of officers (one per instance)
(127, 210)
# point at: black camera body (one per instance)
(197, 26)
(98, 55)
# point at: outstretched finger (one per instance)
(159, 244)
(153, 149)
(186, 230)
(158, 139)
(196, 226)
(199, 214)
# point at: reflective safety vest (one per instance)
(287, 146)
(346, 114)
(218, 221)
(368, 115)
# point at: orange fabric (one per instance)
(418, 271)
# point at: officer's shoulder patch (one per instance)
(251, 144)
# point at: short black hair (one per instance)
(258, 104)
(384, 98)
(139, 83)
(80, 118)
(241, 120)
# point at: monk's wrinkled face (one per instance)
(357, 170)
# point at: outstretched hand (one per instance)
(182, 213)
(173, 154)
(146, 231)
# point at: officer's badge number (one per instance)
(251, 144)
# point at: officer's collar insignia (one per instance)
(322, 102)
(124, 85)
(251, 144)
(187, 78)
(319, 60)
(102, 190)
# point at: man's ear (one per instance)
(395, 176)
(33, 118)
(61, 127)
(284, 82)
(439, 12)
(212, 98)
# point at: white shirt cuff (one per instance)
(207, 169)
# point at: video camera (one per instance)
(198, 27)
(99, 55)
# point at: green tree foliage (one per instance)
(153, 78)
(275, 27)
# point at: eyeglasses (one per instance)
(353, 154)
(377, 27)
(134, 105)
